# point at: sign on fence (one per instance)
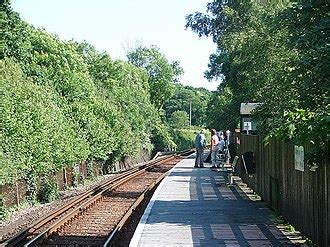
(299, 158)
(247, 126)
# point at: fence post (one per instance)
(17, 194)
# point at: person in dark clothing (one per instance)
(200, 143)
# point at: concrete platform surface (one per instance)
(197, 207)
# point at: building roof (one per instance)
(247, 108)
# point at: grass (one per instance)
(7, 212)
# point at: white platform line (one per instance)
(138, 232)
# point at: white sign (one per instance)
(299, 158)
(247, 126)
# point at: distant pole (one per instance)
(189, 115)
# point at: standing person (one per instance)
(200, 144)
(227, 139)
(222, 146)
(214, 147)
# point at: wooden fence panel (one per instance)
(14, 194)
(301, 197)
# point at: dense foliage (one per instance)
(179, 119)
(184, 138)
(274, 54)
(185, 97)
(65, 102)
(161, 72)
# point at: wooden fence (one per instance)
(15, 194)
(301, 197)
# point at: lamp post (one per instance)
(189, 115)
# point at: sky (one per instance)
(115, 26)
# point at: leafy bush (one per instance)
(184, 138)
(49, 190)
(65, 103)
(179, 119)
(276, 54)
(37, 138)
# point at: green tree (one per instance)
(186, 96)
(224, 113)
(275, 54)
(179, 119)
(126, 86)
(36, 137)
(65, 103)
(161, 72)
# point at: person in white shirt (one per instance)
(214, 147)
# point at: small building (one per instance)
(246, 123)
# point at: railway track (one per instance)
(94, 218)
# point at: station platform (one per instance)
(197, 207)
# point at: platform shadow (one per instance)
(217, 214)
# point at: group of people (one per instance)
(217, 147)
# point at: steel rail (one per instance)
(132, 209)
(72, 204)
(90, 202)
(186, 152)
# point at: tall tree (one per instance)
(179, 119)
(185, 97)
(161, 72)
(275, 54)
(65, 103)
